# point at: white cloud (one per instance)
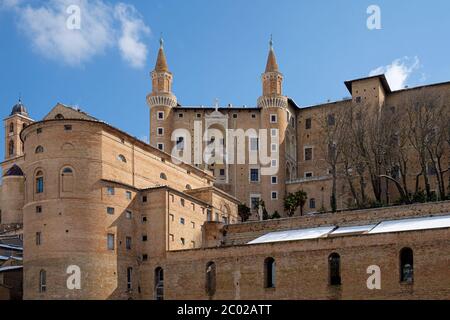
(398, 72)
(102, 26)
(131, 48)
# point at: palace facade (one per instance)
(87, 200)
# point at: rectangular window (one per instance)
(254, 202)
(67, 127)
(182, 221)
(180, 115)
(160, 115)
(182, 202)
(312, 203)
(144, 198)
(183, 241)
(110, 241)
(254, 175)
(273, 132)
(193, 244)
(222, 172)
(38, 209)
(40, 185)
(273, 118)
(171, 237)
(274, 195)
(128, 243)
(160, 131)
(144, 219)
(274, 147)
(144, 238)
(193, 225)
(308, 154)
(358, 99)
(274, 163)
(38, 238)
(308, 123)
(144, 257)
(253, 116)
(308, 174)
(172, 217)
(110, 191)
(199, 115)
(235, 115)
(161, 146)
(274, 180)
(128, 195)
(331, 120)
(254, 144)
(110, 210)
(129, 214)
(225, 220)
(129, 278)
(39, 130)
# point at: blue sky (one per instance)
(216, 49)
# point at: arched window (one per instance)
(42, 281)
(39, 182)
(334, 266)
(39, 149)
(163, 176)
(122, 158)
(11, 128)
(188, 187)
(59, 116)
(11, 148)
(269, 273)
(406, 265)
(159, 283)
(210, 279)
(67, 179)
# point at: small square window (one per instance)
(67, 127)
(128, 214)
(110, 191)
(199, 115)
(144, 198)
(253, 116)
(308, 174)
(235, 115)
(254, 175)
(160, 115)
(274, 147)
(128, 195)
(273, 132)
(182, 220)
(144, 257)
(273, 118)
(144, 238)
(38, 209)
(358, 99)
(39, 130)
(144, 219)
(110, 210)
(161, 146)
(274, 195)
(160, 131)
(274, 163)
(222, 172)
(274, 179)
(180, 115)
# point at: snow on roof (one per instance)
(412, 224)
(291, 235)
(353, 229)
(9, 268)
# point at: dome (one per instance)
(19, 108)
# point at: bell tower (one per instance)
(161, 101)
(17, 120)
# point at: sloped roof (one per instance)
(15, 170)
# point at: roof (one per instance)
(400, 225)
(161, 61)
(272, 65)
(14, 171)
(19, 108)
(11, 247)
(381, 77)
(10, 268)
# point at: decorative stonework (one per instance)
(274, 101)
(162, 100)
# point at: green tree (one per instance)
(295, 200)
(244, 212)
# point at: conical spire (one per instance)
(271, 65)
(161, 62)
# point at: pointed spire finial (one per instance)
(271, 42)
